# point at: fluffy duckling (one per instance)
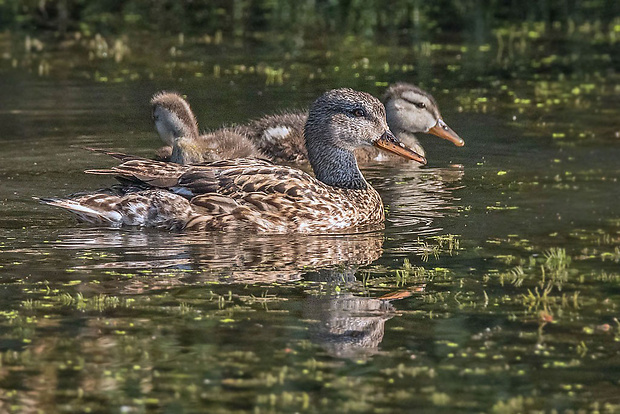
(177, 127)
(255, 194)
(410, 110)
(280, 137)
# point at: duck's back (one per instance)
(280, 137)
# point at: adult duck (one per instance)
(280, 137)
(255, 194)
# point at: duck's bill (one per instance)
(442, 130)
(390, 143)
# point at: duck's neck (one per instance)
(174, 126)
(335, 166)
(178, 154)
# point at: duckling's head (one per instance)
(410, 109)
(347, 119)
(173, 117)
(340, 121)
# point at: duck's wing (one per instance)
(233, 178)
(268, 197)
(246, 189)
(144, 172)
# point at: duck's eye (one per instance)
(420, 105)
(360, 113)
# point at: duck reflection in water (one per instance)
(348, 326)
(226, 257)
(344, 325)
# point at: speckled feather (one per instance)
(245, 193)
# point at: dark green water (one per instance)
(504, 254)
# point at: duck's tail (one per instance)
(150, 208)
(94, 209)
(101, 209)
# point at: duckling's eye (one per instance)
(360, 113)
(420, 105)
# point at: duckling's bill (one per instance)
(442, 130)
(390, 143)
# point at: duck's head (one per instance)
(173, 117)
(410, 109)
(340, 121)
(347, 119)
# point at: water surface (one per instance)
(494, 286)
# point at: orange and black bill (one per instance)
(442, 130)
(390, 143)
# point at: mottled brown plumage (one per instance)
(280, 137)
(256, 194)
